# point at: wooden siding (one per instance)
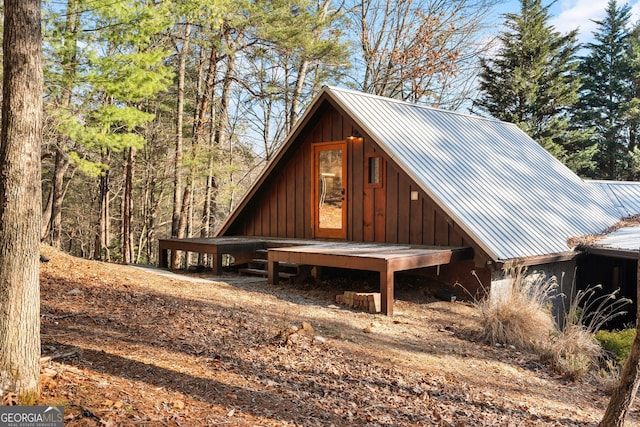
(281, 207)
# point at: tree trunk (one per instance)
(150, 215)
(20, 198)
(57, 192)
(177, 174)
(45, 228)
(186, 212)
(127, 206)
(103, 232)
(297, 94)
(177, 160)
(205, 229)
(625, 392)
(145, 248)
(221, 134)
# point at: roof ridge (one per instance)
(612, 181)
(332, 88)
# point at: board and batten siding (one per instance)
(386, 213)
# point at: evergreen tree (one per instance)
(633, 106)
(607, 92)
(104, 65)
(530, 82)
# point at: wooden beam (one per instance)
(386, 292)
(273, 271)
(328, 260)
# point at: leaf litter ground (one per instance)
(126, 346)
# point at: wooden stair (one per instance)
(259, 264)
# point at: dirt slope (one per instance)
(131, 347)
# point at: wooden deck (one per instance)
(383, 258)
(214, 246)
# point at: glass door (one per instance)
(329, 189)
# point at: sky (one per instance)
(570, 14)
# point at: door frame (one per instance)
(332, 233)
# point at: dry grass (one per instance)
(519, 315)
(573, 352)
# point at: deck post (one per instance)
(163, 256)
(273, 271)
(216, 260)
(386, 291)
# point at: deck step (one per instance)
(260, 272)
(258, 266)
(262, 261)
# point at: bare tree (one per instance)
(20, 197)
(420, 50)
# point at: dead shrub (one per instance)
(574, 350)
(519, 314)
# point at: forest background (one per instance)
(159, 115)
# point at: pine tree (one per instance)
(102, 79)
(530, 82)
(607, 92)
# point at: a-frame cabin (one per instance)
(367, 169)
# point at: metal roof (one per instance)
(626, 239)
(509, 194)
(625, 195)
(621, 243)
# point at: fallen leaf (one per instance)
(306, 329)
(10, 399)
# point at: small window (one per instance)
(374, 170)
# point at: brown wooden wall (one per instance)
(281, 206)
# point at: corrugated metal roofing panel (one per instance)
(625, 195)
(497, 183)
(626, 239)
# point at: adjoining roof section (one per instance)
(625, 195)
(508, 193)
(622, 243)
